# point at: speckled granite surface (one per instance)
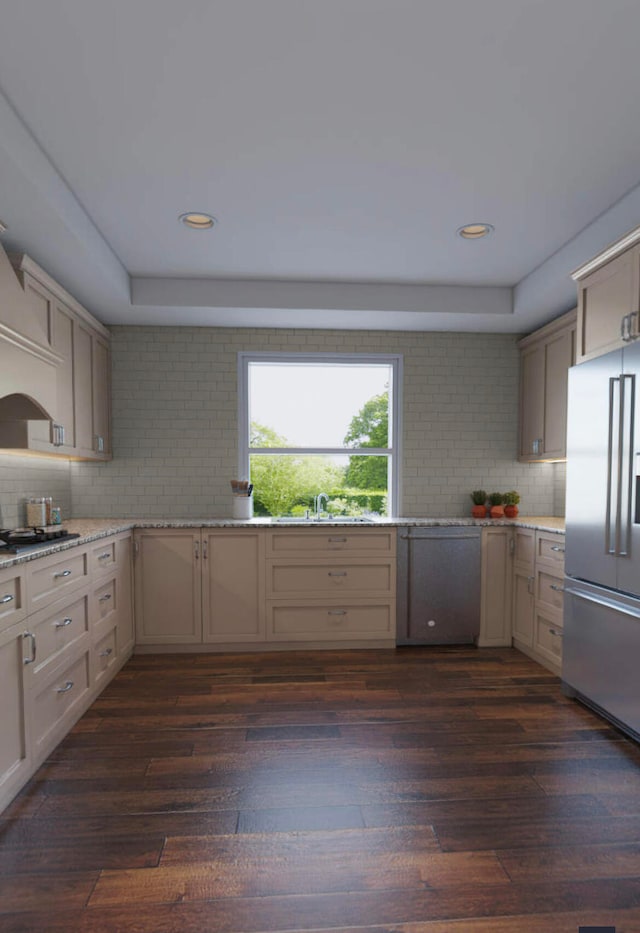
(92, 529)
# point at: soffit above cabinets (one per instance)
(339, 145)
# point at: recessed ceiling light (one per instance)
(474, 231)
(198, 221)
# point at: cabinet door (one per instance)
(558, 359)
(167, 587)
(101, 376)
(15, 753)
(83, 390)
(523, 607)
(124, 552)
(605, 297)
(233, 585)
(62, 340)
(532, 406)
(545, 359)
(495, 602)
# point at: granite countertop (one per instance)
(92, 529)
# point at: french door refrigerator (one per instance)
(601, 650)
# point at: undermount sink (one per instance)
(331, 520)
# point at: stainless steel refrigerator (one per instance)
(601, 650)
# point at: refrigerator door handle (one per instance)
(625, 487)
(613, 450)
(607, 603)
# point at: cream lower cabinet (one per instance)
(254, 587)
(538, 579)
(196, 587)
(332, 586)
(57, 614)
(495, 599)
(15, 646)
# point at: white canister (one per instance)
(243, 507)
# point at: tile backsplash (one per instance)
(175, 421)
(22, 477)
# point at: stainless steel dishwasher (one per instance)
(438, 585)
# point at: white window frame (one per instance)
(394, 452)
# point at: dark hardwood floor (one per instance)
(418, 790)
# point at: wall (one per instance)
(175, 420)
(21, 477)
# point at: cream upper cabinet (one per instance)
(545, 359)
(92, 389)
(609, 299)
(81, 424)
(168, 607)
(233, 585)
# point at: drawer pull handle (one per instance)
(106, 653)
(102, 599)
(337, 612)
(104, 556)
(558, 589)
(7, 598)
(337, 573)
(64, 623)
(67, 687)
(337, 540)
(557, 549)
(553, 631)
(62, 573)
(33, 648)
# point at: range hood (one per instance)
(28, 389)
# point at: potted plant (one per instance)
(479, 499)
(511, 500)
(495, 501)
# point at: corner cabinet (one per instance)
(609, 298)
(545, 359)
(81, 427)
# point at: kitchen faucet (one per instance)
(317, 502)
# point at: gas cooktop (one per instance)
(18, 540)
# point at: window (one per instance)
(320, 423)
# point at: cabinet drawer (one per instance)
(550, 549)
(321, 621)
(315, 542)
(53, 575)
(548, 590)
(104, 601)
(325, 578)
(548, 638)
(12, 597)
(104, 655)
(56, 630)
(55, 700)
(524, 548)
(102, 557)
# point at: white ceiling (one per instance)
(340, 144)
